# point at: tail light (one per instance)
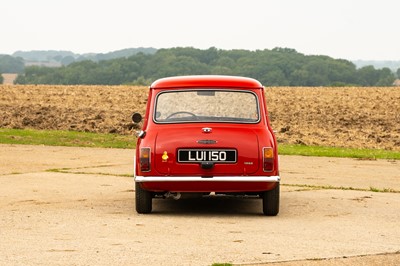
(144, 158)
(268, 159)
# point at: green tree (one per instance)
(10, 64)
(386, 77)
(367, 76)
(67, 60)
(276, 67)
(275, 77)
(299, 77)
(141, 81)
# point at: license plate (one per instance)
(206, 155)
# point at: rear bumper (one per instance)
(272, 179)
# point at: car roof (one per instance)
(206, 81)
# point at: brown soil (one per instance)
(343, 117)
(81, 108)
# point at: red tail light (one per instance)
(145, 159)
(268, 159)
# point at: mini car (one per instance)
(207, 135)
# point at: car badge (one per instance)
(207, 129)
(207, 141)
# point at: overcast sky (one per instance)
(349, 29)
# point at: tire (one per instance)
(271, 201)
(143, 199)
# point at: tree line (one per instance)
(276, 67)
(10, 64)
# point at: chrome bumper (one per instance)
(207, 179)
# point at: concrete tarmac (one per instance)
(75, 206)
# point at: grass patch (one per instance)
(72, 171)
(322, 187)
(288, 149)
(66, 138)
(87, 139)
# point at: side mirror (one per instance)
(137, 118)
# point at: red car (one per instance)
(206, 135)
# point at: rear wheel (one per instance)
(143, 199)
(271, 201)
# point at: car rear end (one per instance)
(207, 134)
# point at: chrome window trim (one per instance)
(207, 89)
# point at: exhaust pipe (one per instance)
(173, 195)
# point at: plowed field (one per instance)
(342, 117)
